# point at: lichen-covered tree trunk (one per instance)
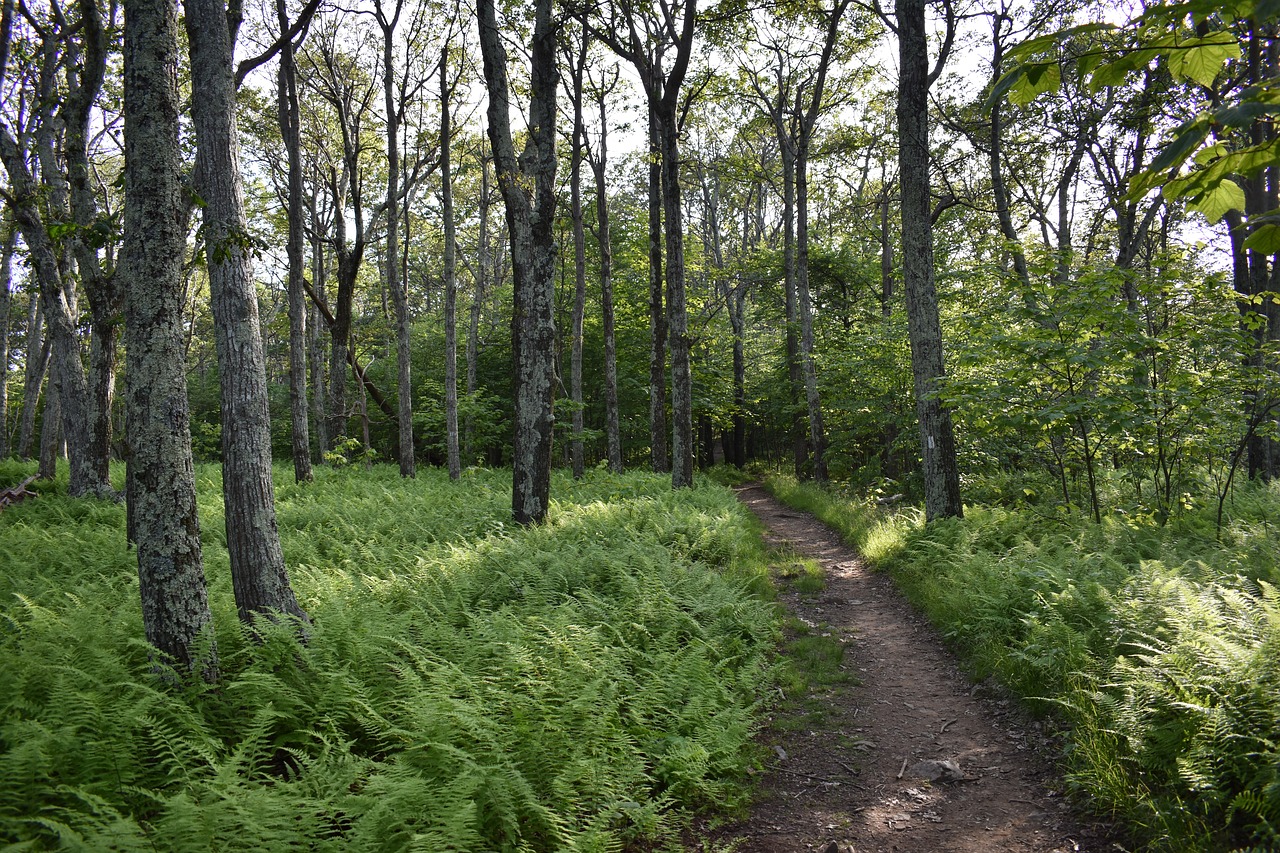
(937, 439)
(67, 372)
(289, 116)
(677, 309)
(175, 604)
(258, 575)
(528, 188)
(659, 456)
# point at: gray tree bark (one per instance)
(51, 439)
(38, 349)
(599, 164)
(452, 452)
(258, 575)
(528, 188)
(315, 346)
(396, 286)
(291, 130)
(6, 303)
(68, 373)
(937, 438)
(477, 304)
(175, 603)
(659, 455)
(576, 144)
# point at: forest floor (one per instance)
(849, 767)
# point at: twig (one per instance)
(850, 769)
(904, 766)
(947, 723)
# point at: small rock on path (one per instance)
(910, 757)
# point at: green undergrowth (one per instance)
(468, 684)
(1155, 648)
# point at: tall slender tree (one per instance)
(937, 436)
(646, 36)
(290, 118)
(175, 605)
(598, 157)
(528, 188)
(258, 575)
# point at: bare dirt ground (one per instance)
(857, 782)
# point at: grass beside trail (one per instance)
(468, 684)
(1157, 649)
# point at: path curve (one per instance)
(850, 787)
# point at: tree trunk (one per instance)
(529, 194)
(579, 263)
(51, 440)
(399, 298)
(162, 511)
(315, 348)
(6, 303)
(68, 374)
(937, 439)
(38, 351)
(657, 312)
(450, 276)
(291, 131)
(677, 312)
(809, 367)
(477, 303)
(795, 377)
(613, 429)
(886, 259)
(258, 575)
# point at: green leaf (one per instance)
(1038, 80)
(1202, 59)
(1003, 85)
(1112, 73)
(1264, 239)
(1186, 140)
(1216, 201)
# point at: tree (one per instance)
(8, 239)
(62, 208)
(794, 100)
(452, 450)
(396, 286)
(577, 60)
(258, 575)
(290, 118)
(937, 438)
(528, 189)
(643, 37)
(598, 157)
(162, 509)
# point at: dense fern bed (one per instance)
(468, 685)
(1155, 649)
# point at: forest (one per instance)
(373, 376)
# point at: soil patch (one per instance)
(907, 754)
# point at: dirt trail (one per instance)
(856, 785)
